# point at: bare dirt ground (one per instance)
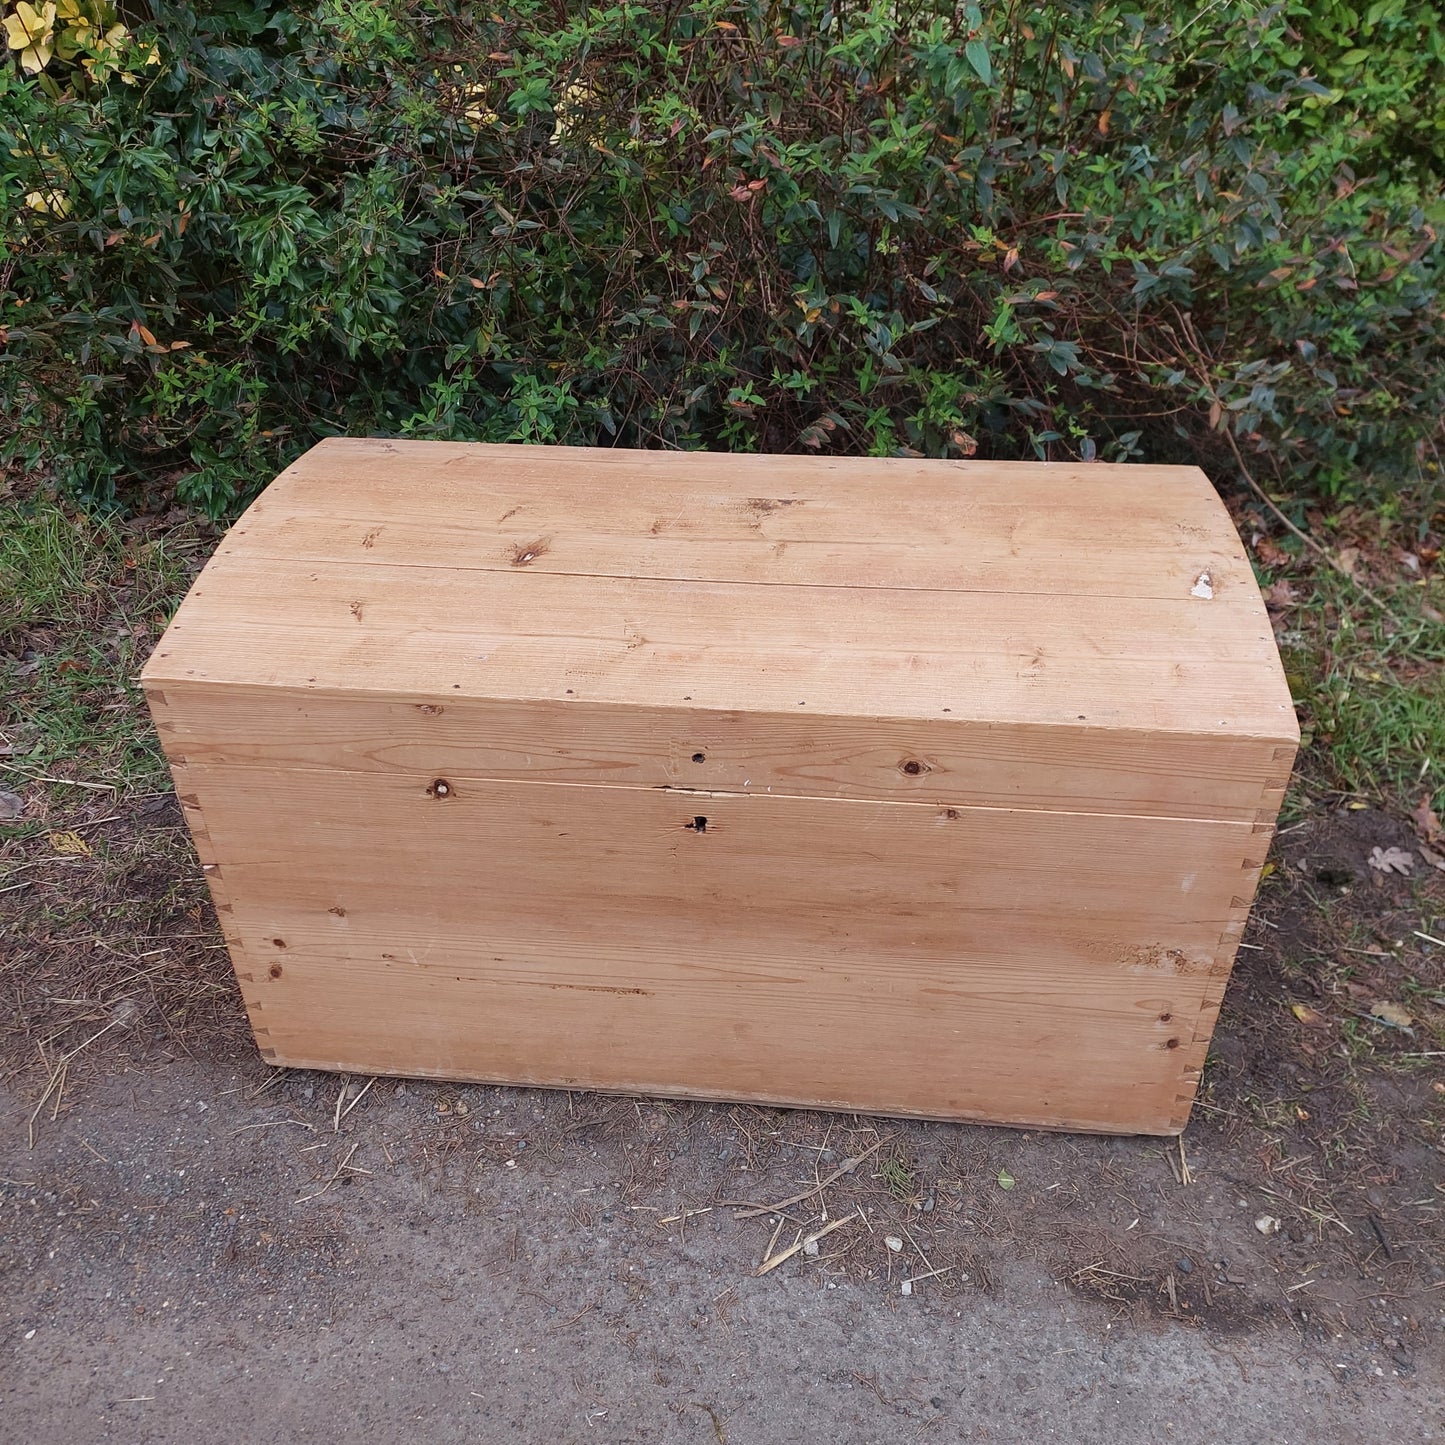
(197, 1247)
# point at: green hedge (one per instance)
(1058, 230)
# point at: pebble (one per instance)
(1184, 1264)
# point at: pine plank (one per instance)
(1077, 769)
(795, 949)
(786, 520)
(1022, 658)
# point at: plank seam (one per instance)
(941, 805)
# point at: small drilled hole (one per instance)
(699, 757)
(698, 824)
(275, 970)
(440, 788)
(1172, 1044)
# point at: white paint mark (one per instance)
(1187, 886)
(1203, 586)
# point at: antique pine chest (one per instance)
(918, 787)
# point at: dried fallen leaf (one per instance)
(1269, 552)
(71, 843)
(1427, 825)
(1005, 1179)
(1280, 594)
(1391, 1014)
(1308, 1016)
(1434, 859)
(1391, 860)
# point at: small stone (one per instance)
(1184, 1264)
(1267, 1224)
(12, 805)
(810, 1246)
(894, 1243)
(907, 1287)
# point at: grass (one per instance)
(1370, 687)
(898, 1179)
(81, 602)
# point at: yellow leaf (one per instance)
(32, 33)
(71, 843)
(1266, 871)
(1307, 1016)
(1391, 1013)
(54, 203)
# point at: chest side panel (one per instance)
(1058, 969)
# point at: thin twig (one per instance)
(64, 782)
(774, 1261)
(359, 1097)
(58, 1076)
(846, 1167)
(345, 1166)
(1321, 551)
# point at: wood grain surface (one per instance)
(930, 788)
